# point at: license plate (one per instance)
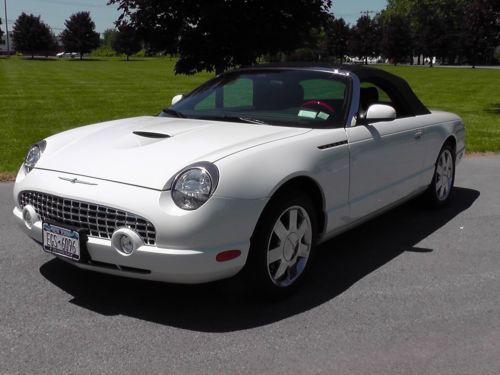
(61, 241)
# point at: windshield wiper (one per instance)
(249, 120)
(171, 111)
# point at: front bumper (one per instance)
(187, 242)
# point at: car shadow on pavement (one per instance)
(222, 307)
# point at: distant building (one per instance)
(3, 43)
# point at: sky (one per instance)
(54, 12)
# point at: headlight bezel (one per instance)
(205, 167)
(36, 150)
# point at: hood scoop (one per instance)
(151, 134)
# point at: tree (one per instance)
(481, 30)
(109, 36)
(313, 47)
(365, 37)
(337, 32)
(53, 44)
(432, 28)
(436, 26)
(31, 35)
(397, 39)
(127, 41)
(219, 34)
(79, 34)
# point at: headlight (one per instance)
(33, 155)
(194, 185)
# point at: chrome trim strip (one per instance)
(96, 178)
(77, 181)
(211, 168)
(353, 111)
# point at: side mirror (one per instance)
(177, 98)
(380, 112)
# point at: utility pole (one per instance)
(6, 28)
(367, 12)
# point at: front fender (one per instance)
(259, 172)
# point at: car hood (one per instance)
(148, 151)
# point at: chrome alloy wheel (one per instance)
(444, 175)
(289, 246)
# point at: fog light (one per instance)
(126, 244)
(126, 241)
(30, 216)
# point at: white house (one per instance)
(3, 43)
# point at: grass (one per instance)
(39, 98)
(473, 94)
(43, 97)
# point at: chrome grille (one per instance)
(100, 221)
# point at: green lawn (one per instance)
(473, 94)
(43, 97)
(39, 98)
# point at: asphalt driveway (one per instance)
(414, 291)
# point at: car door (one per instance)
(385, 159)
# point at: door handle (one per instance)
(418, 134)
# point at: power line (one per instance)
(367, 12)
(53, 28)
(74, 3)
(77, 4)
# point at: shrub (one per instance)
(103, 51)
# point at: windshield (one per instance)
(275, 97)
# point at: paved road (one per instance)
(412, 292)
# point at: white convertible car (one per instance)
(249, 172)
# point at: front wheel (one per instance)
(283, 245)
(441, 187)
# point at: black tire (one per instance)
(261, 271)
(440, 190)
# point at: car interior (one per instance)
(381, 92)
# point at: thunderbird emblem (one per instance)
(76, 181)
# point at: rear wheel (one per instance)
(283, 245)
(441, 187)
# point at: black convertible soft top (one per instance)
(389, 82)
(395, 86)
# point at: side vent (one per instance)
(331, 145)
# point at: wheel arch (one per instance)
(452, 141)
(311, 188)
(432, 195)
